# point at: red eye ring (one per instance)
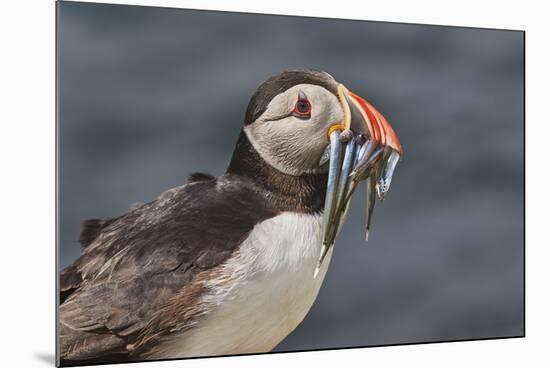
(302, 109)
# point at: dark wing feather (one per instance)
(70, 278)
(91, 229)
(69, 281)
(200, 176)
(139, 262)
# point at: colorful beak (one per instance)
(362, 147)
(379, 128)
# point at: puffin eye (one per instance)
(302, 109)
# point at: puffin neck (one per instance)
(304, 193)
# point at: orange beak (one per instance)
(362, 147)
(362, 118)
(379, 128)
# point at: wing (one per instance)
(140, 263)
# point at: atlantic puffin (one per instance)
(230, 264)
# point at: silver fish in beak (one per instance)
(364, 147)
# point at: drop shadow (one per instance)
(46, 358)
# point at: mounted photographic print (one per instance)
(233, 183)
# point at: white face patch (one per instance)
(291, 144)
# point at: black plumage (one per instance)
(141, 274)
(137, 262)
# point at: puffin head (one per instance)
(292, 114)
(302, 123)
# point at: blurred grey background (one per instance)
(149, 95)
